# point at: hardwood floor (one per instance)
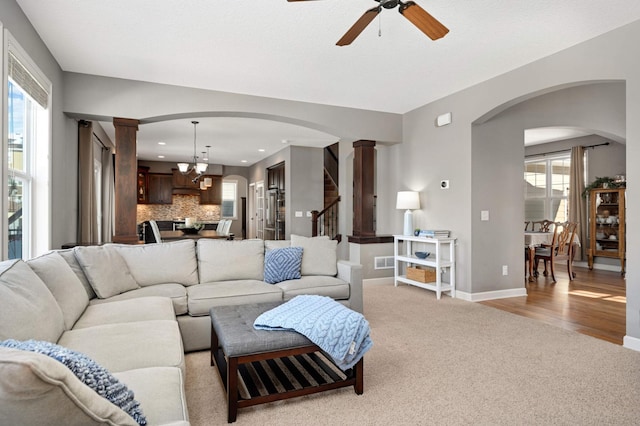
(593, 304)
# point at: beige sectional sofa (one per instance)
(135, 309)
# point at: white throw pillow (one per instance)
(319, 256)
(63, 283)
(28, 310)
(106, 270)
(172, 262)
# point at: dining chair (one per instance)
(526, 225)
(561, 248)
(156, 231)
(542, 225)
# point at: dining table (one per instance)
(180, 235)
(532, 239)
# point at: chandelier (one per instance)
(198, 168)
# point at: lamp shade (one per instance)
(408, 200)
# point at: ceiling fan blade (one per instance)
(359, 26)
(423, 20)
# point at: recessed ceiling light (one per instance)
(243, 161)
(160, 156)
(162, 143)
(285, 141)
(261, 150)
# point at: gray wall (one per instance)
(64, 150)
(486, 171)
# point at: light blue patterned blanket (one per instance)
(339, 331)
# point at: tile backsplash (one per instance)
(182, 206)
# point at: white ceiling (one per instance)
(287, 50)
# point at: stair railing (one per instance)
(326, 221)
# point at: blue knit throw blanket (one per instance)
(339, 331)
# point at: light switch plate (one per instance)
(484, 215)
(298, 214)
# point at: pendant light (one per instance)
(198, 168)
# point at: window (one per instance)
(27, 157)
(546, 192)
(229, 194)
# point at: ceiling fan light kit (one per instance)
(419, 17)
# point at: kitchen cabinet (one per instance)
(143, 185)
(213, 194)
(607, 225)
(160, 188)
(181, 181)
(275, 177)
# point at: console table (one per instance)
(442, 257)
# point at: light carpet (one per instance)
(450, 362)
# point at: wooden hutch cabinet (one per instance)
(160, 188)
(607, 225)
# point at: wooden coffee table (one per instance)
(260, 366)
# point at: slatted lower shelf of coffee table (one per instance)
(258, 366)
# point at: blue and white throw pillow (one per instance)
(282, 264)
(89, 372)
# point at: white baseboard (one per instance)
(490, 295)
(631, 343)
(378, 281)
(598, 266)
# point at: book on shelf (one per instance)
(434, 233)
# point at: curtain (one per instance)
(577, 204)
(108, 195)
(87, 202)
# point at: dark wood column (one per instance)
(126, 170)
(364, 167)
(363, 196)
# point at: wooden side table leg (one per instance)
(232, 389)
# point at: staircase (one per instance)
(326, 221)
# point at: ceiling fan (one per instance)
(410, 10)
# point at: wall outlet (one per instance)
(505, 270)
(308, 214)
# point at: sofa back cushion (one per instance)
(36, 389)
(28, 310)
(319, 256)
(70, 257)
(63, 283)
(223, 260)
(172, 262)
(106, 270)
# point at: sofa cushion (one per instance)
(282, 264)
(222, 260)
(176, 292)
(130, 310)
(317, 284)
(65, 286)
(319, 256)
(37, 390)
(120, 347)
(106, 270)
(172, 262)
(28, 310)
(70, 256)
(204, 296)
(160, 391)
(89, 372)
(276, 244)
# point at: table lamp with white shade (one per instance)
(408, 200)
